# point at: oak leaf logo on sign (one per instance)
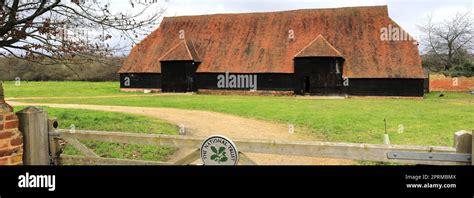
(219, 156)
(219, 150)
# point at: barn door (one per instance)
(177, 76)
(318, 76)
(328, 77)
(173, 77)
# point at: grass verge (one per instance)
(111, 121)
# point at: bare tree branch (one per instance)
(62, 30)
(450, 41)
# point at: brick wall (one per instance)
(442, 83)
(11, 139)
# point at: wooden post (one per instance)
(463, 142)
(54, 146)
(34, 126)
(2, 95)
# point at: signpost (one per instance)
(219, 150)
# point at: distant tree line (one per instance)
(104, 70)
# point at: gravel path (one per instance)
(204, 124)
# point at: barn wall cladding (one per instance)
(386, 87)
(140, 80)
(335, 51)
(271, 82)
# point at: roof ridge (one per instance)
(286, 11)
(324, 40)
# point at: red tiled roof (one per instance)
(259, 42)
(183, 51)
(319, 47)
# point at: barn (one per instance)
(356, 51)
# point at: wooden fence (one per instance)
(459, 154)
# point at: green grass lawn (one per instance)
(110, 121)
(54, 88)
(431, 121)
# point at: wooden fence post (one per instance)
(54, 145)
(463, 142)
(34, 126)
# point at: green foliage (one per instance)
(466, 69)
(462, 64)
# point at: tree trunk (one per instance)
(2, 95)
(4, 107)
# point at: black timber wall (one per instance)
(178, 76)
(285, 82)
(141, 80)
(265, 81)
(385, 87)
